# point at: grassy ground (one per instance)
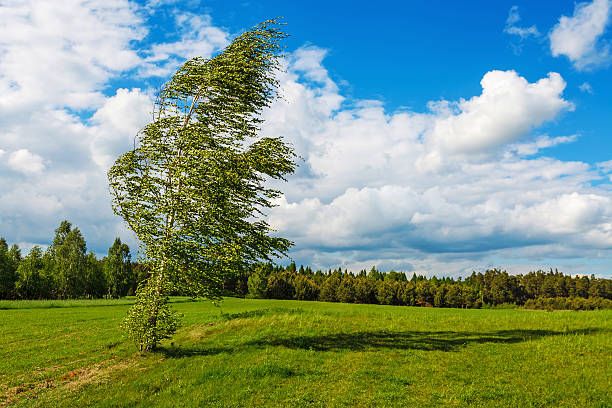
(289, 353)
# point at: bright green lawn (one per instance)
(290, 353)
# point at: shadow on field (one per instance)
(61, 306)
(260, 312)
(182, 352)
(384, 340)
(72, 304)
(410, 340)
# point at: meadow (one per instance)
(296, 353)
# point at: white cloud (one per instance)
(198, 37)
(542, 142)
(586, 88)
(522, 32)
(606, 169)
(365, 196)
(57, 58)
(60, 54)
(607, 165)
(116, 123)
(571, 214)
(578, 37)
(25, 161)
(508, 108)
(309, 61)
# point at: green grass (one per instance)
(291, 354)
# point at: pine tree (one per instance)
(9, 261)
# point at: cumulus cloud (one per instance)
(570, 214)
(25, 161)
(70, 186)
(62, 53)
(444, 190)
(507, 109)
(579, 37)
(116, 123)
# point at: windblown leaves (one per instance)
(193, 189)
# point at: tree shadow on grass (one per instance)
(182, 352)
(409, 340)
(259, 313)
(382, 340)
(75, 303)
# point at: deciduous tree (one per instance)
(193, 187)
(118, 269)
(31, 283)
(66, 259)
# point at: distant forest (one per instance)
(66, 271)
(493, 288)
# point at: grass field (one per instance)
(290, 353)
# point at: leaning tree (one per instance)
(194, 188)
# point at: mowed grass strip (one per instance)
(291, 353)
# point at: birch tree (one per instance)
(194, 188)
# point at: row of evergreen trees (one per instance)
(65, 270)
(491, 288)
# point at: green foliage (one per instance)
(494, 288)
(193, 187)
(150, 304)
(67, 261)
(346, 290)
(9, 260)
(118, 270)
(141, 272)
(280, 286)
(65, 270)
(329, 288)
(305, 288)
(94, 282)
(571, 303)
(365, 290)
(375, 274)
(31, 282)
(388, 292)
(258, 282)
(395, 276)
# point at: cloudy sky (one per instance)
(437, 137)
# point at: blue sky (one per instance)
(436, 137)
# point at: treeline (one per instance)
(65, 270)
(491, 288)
